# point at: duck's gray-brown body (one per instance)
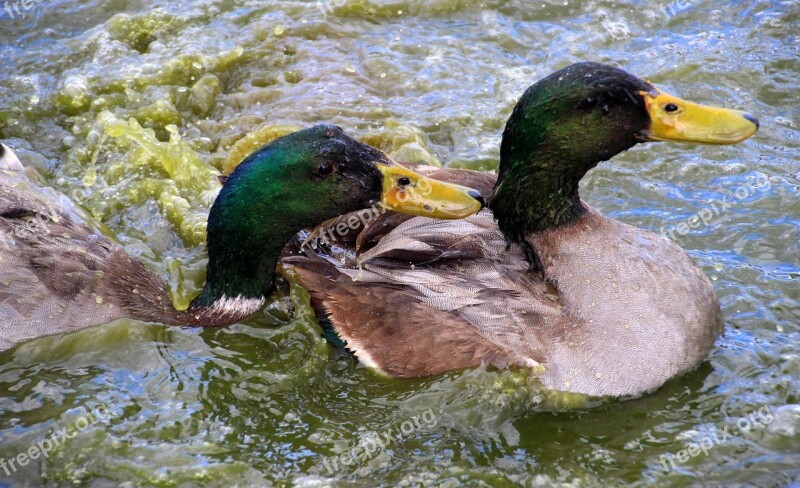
(59, 273)
(52, 265)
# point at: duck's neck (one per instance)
(237, 271)
(244, 246)
(237, 283)
(537, 185)
(532, 198)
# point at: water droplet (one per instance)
(350, 68)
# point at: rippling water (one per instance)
(268, 401)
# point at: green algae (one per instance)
(403, 143)
(188, 176)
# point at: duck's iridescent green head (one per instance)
(299, 181)
(568, 122)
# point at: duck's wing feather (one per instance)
(430, 296)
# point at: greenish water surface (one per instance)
(127, 106)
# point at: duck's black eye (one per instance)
(670, 107)
(404, 181)
(587, 103)
(325, 169)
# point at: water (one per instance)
(268, 402)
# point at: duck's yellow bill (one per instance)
(673, 119)
(408, 192)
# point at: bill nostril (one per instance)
(752, 119)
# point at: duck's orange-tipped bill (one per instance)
(674, 119)
(407, 192)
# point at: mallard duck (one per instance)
(540, 279)
(58, 274)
